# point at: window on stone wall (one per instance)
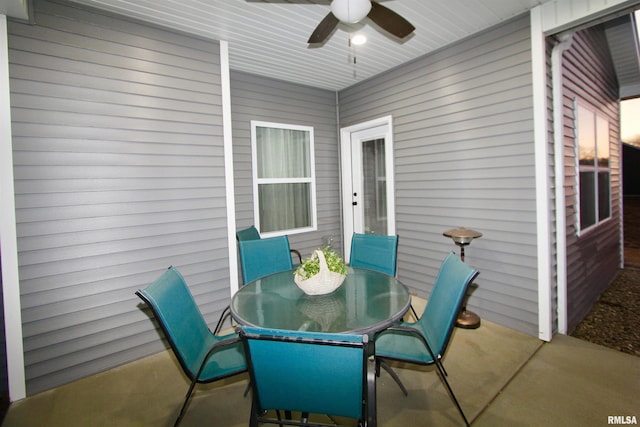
(284, 193)
(594, 185)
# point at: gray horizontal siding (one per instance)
(260, 98)
(593, 258)
(119, 173)
(464, 156)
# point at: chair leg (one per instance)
(415, 315)
(186, 402)
(443, 378)
(444, 371)
(371, 409)
(395, 377)
(253, 420)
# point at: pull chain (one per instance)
(352, 57)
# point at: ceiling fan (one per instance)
(353, 11)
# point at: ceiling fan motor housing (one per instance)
(353, 11)
(350, 11)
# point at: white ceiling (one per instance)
(269, 38)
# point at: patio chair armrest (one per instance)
(220, 345)
(297, 253)
(415, 332)
(226, 312)
(401, 328)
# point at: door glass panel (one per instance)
(374, 184)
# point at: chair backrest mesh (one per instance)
(250, 233)
(259, 258)
(318, 373)
(180, 319)
(445, 301)
(375, 252)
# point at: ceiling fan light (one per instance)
(350, 11)
(359, 39)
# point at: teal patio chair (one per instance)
(203, 356)
(375, 252)
(249, 233)
(425, 341)
(309, 373)
(259, 258)
(252, 233)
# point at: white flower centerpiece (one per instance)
(322, 273)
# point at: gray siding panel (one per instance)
(119, 173)
(260, 98)
(463, 134)
(593, 258)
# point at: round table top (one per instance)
(368, 301)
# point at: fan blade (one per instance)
(390, 21)
(327, 2)
(324, 29)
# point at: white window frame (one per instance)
(595, 169)
(259, 181)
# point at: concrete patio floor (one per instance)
(501, 377)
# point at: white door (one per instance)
(367, 179)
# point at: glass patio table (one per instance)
(367, 302)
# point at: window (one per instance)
(283, 178)
(593, 166)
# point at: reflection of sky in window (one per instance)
(586, 135)
(602, 140)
